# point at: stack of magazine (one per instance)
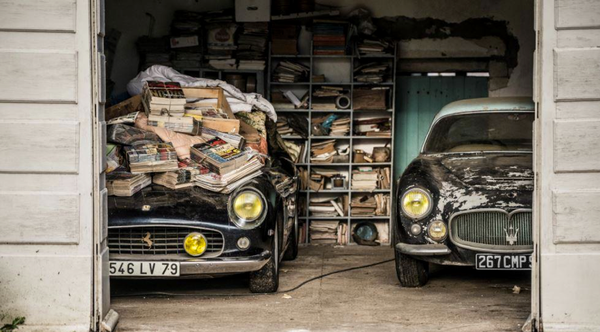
(163, 98)
(227, 182)
(152, 157)
(126, 184)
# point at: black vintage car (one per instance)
(193, 232)
(466, 199)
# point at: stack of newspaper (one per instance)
(227, 182)
(152, 157)
(126, 184)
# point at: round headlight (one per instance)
(437, 230)
(195, 244)
(247, 207)
(416, 203)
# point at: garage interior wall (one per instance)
(129, 17)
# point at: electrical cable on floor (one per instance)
(167, 294)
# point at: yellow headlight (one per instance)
(416, 203)
(195, 244)
(248, 206)
(437, 230)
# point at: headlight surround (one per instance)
(416, 203)
(437, 230)
(247, 208)
(195, 244)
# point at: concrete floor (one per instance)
(456, 299)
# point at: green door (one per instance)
(418, 99)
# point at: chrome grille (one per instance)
(166, 240)
(487, 230)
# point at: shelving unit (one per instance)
(349, 61)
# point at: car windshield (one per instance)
(482, 132)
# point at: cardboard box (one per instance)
(230, 125)
(252, 10)
(130, 105)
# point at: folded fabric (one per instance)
(239, 101)
(181, 142)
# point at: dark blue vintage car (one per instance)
(467, 198)
(193, 232)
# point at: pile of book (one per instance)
(251, 46)
(186, 39)
(284, 128)
(290, 72)
(163, 98)
(182, 177)
(368, 178)
(227, 182)
(220, 45)
(365, 179)
(151, 157)
(370, 72)
(126, 184)
(329, 37)
(340, 127)
(376, 127)
(325, 97)
(370, 205)
(374, 47)
(323, 151)
(328, 206)
(284, 39)
(325, 232)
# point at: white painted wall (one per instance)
(568, 166)
(46, 164)
(128, 16)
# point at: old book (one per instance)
(126, 184)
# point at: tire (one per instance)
(266, 280)
(411, 272)
(292, 250)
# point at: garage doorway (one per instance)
(418, 98)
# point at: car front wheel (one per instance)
(266, 280)
(411, 272)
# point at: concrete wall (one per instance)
(129, 17)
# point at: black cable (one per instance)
(166, 294)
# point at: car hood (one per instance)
(157, 204)
(491, 171)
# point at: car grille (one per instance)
(489, 230)
(166, 240)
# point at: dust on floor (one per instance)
(455, 299)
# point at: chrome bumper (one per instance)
(423, 249)
(214, 265)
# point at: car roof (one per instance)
(492, 104)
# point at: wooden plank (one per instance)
(576, 147)
(577, 74)
(39, 147)
(38, 15)
(30, 217)
(576, 216)
(36, 112)
(578, 110)
(39, 182)
(36, 76)
(577, 14)
(578, 38)
(11, 40)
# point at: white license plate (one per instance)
(502, 262)
(144, 269)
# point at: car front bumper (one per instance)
(423, 249)
(209, 266)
